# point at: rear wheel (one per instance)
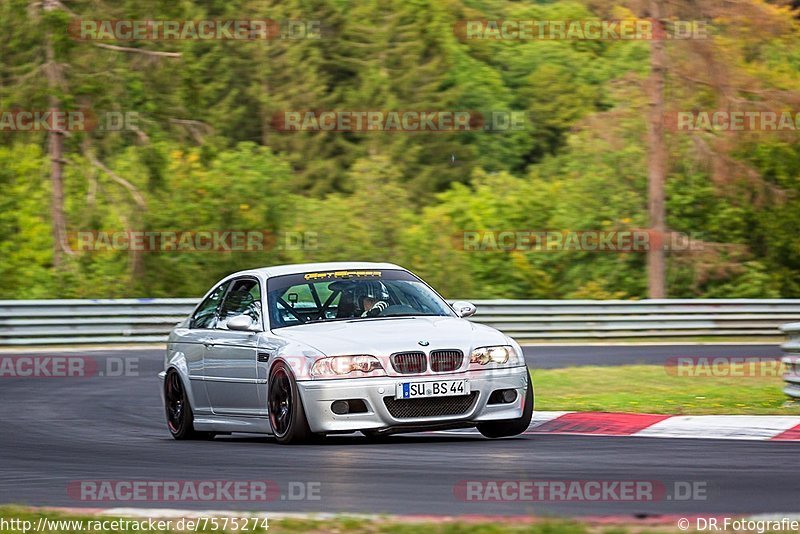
(180, 419)
(511, 427)
(286, 413)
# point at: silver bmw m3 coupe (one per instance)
(301, 351)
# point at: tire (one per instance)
(286, 414)
(511, 427)
(180, 418)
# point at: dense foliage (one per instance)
(205, 154)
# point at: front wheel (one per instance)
(180, 419)
(286, 414)
(511, 427)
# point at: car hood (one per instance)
(384, 336)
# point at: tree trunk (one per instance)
(55, 140)
(657, 161)
(56, 143)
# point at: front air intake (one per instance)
(445, 361)
(409, 363)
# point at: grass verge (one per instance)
(65, 523)
(652, 389)
(662, 340)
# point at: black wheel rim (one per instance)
(280, 403)
(175, 402)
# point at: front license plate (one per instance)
(440, 388)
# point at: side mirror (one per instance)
(242, 323)
(464, 308)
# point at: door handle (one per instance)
(208, 343)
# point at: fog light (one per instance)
(340, 407)
(502, 396)
(509, 395)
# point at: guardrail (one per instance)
(791, 359)
(56, 322)
(45, 322)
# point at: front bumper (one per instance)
(318, 395)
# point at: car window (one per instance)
(207, 311)
(343, 295)
(244, 298)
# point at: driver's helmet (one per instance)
(371, 289)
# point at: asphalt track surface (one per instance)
(61, 430)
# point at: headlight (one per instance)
(343, 365)
(499, 355)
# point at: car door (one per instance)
(231, 359)
(192, 342)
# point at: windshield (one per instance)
(354, 294)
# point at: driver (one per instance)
(374, 299)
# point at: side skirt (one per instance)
(222, 423)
